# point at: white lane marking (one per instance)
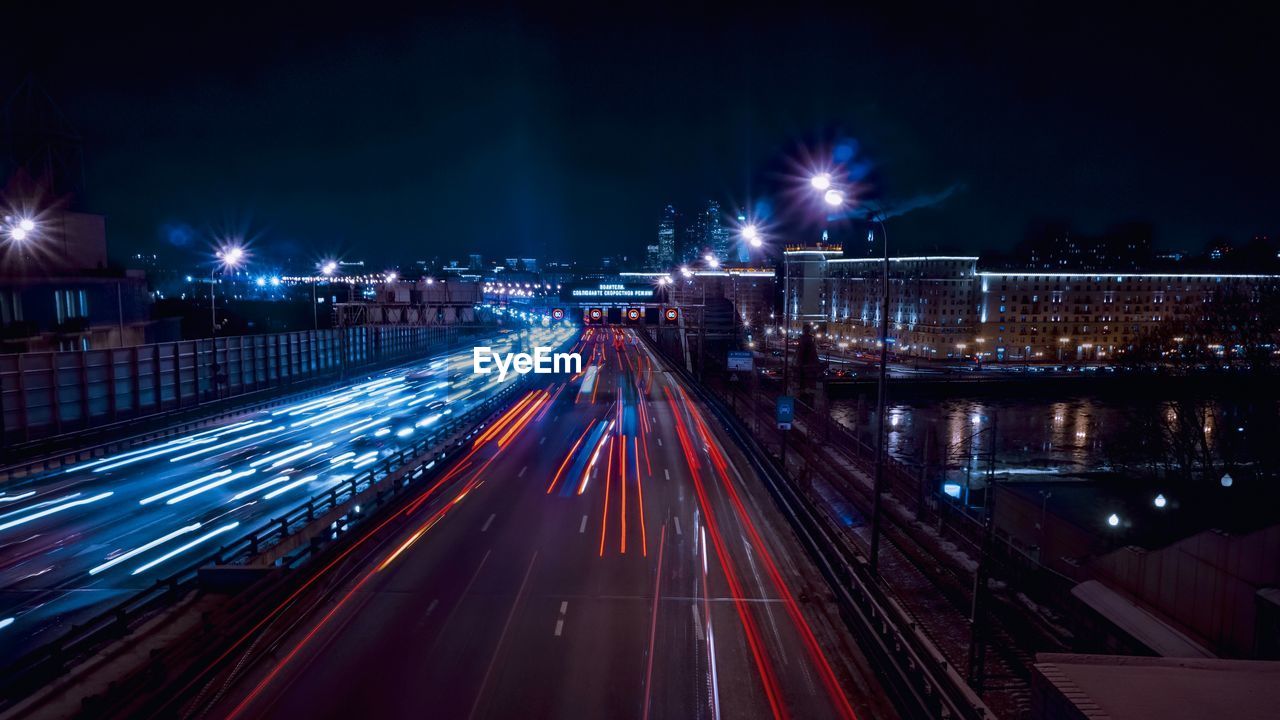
(678, 526)
(564, 608)
(544, 439)
(497, 650)
(768, 611)
(666, 473)
(526, 467)
(488, 522)
(659, 442)
(697, 622)
(583, 527)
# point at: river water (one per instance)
(1057, 435)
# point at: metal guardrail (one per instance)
(926, 684)
(51, 659)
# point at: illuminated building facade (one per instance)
(1040, 317)
(945, 307)
(932, 309)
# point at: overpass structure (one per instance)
(648, 298)
(425, 303)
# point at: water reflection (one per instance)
(1030, 436)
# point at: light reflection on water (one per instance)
(1065, 436)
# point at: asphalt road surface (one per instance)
(600, 552)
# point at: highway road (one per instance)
(75, 541)
(600, 551)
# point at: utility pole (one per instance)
(786, 343)
(878, 487)
(980, 611)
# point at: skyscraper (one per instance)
(717, 233)
(694, 241)
(666, 256)
(653, 257)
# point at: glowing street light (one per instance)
(231, 257)
(327, 268)
(821, 181)
(1160, 501)
(833, 197)
(22, 229)
(228, 257)
(712, 262)
(1113, 520)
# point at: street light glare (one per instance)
(18, 234)
(329, 268)
(821, 181)
(711, 260)
(26, 225)
(231, 256)
(750, 233)
(833, 197)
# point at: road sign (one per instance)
(671, 314)
(595, 314)
(740, 360)
(785, 411)
(633, 314)
(557, 313)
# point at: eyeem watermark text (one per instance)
(542, 361)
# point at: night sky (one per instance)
(514, 132)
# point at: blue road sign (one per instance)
(786, 411)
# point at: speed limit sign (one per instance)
(672, 314)
(557, 313)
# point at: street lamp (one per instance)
(228, 257)
(327, 268)
(835, 197)
(751, 234)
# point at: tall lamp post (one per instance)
(835, 198)
(328, 268)
(226, 258)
